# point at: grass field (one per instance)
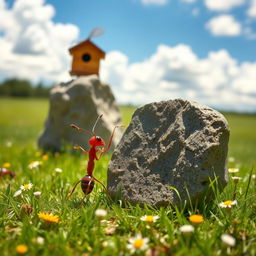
(79, 231)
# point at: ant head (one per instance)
(96, 141)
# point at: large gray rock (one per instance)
(80, 102)
(175, 143)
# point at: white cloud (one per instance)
(154, 2)
(251, 12)
(32, 45)
(177, 72)
(223, 5)
(224, 25)
(2, 4)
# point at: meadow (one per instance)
(36, 219)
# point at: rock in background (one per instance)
(174, 143)
(80, 102)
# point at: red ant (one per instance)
(87, 182)
(6, 172)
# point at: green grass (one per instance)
(79, 231)
(242, 138)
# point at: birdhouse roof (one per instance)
(84, 44)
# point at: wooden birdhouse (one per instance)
(86, 58)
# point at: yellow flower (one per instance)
(138, 243)
(6, 165)
(228, 204)
(49, 217)
(26, 186)
(21, 248)
(149, 218)
(196, 218)
(44, 157)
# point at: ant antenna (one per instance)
(98, 118)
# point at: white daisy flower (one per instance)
(186, 229)
(228, 240)
(108, 244)
(228, 204)
(4, 169)
(8, 144)
(58, 170)
(101, 213)
(17, 193)
(233, 170)
(236, 179)
(253, 176)
(34, 164)
(149, 218)
(26, 186)
(37, 194)
(40, 240)
(138, 243)
(231, 159)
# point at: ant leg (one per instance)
(100, 183)
(106, 191)
(72, 191)
(111, 138)
(101, 153)
(82, 201)
(79, 147)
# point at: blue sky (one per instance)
(137, 29)
(202, 50)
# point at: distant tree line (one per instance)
(22, 88)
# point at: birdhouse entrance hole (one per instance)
(86, 57)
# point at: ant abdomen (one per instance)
(87, 184)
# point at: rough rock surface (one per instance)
(80, 102)
(174, 143)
